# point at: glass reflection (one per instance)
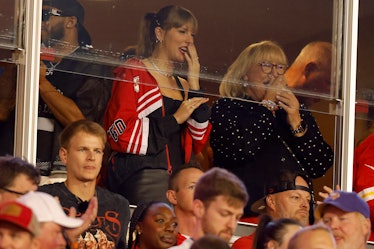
(8, 23)
(218, 42)
(113, 27)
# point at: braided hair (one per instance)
(138, 216)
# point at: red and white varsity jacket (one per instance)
(135, 95)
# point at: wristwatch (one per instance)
(301, 128)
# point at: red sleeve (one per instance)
(131, 101)
(200, 133)
(363, 173)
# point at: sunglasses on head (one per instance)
(47, 13)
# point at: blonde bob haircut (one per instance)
(232, 84)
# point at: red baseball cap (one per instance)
(18, 214)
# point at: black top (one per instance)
(113, 215)
(84, 82)
(249, 141)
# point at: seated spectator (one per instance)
(210, 242)
(312, 237)
(219, 199)
(348, 216)
(82, 146)
(18, 226)
(274, 233)
(154, 225)
(287, 196)
(182, 183)
(17, 177)
(54, 223)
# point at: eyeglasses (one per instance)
(47, 13)
(267, 67)
(13, 191)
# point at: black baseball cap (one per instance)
(72, 8)
(284, 181)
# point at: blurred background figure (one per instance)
(363, 168)
(18, 226)
(57, 230)
(311, 72)
(17, 177)
(210, 242)
(312, 237)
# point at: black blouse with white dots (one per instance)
(253, 144)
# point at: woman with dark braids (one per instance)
(153, 225)
(156, 121)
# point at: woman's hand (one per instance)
(287, 100)
(275, 85)
(187, 108)
(192, 59)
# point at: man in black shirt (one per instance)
(82, 149)
(71, 86)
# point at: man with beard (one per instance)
(287, 195)
(218, 204)
(70, 88)
(348, 216)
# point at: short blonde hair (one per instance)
(232, 83)
(84, 125)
